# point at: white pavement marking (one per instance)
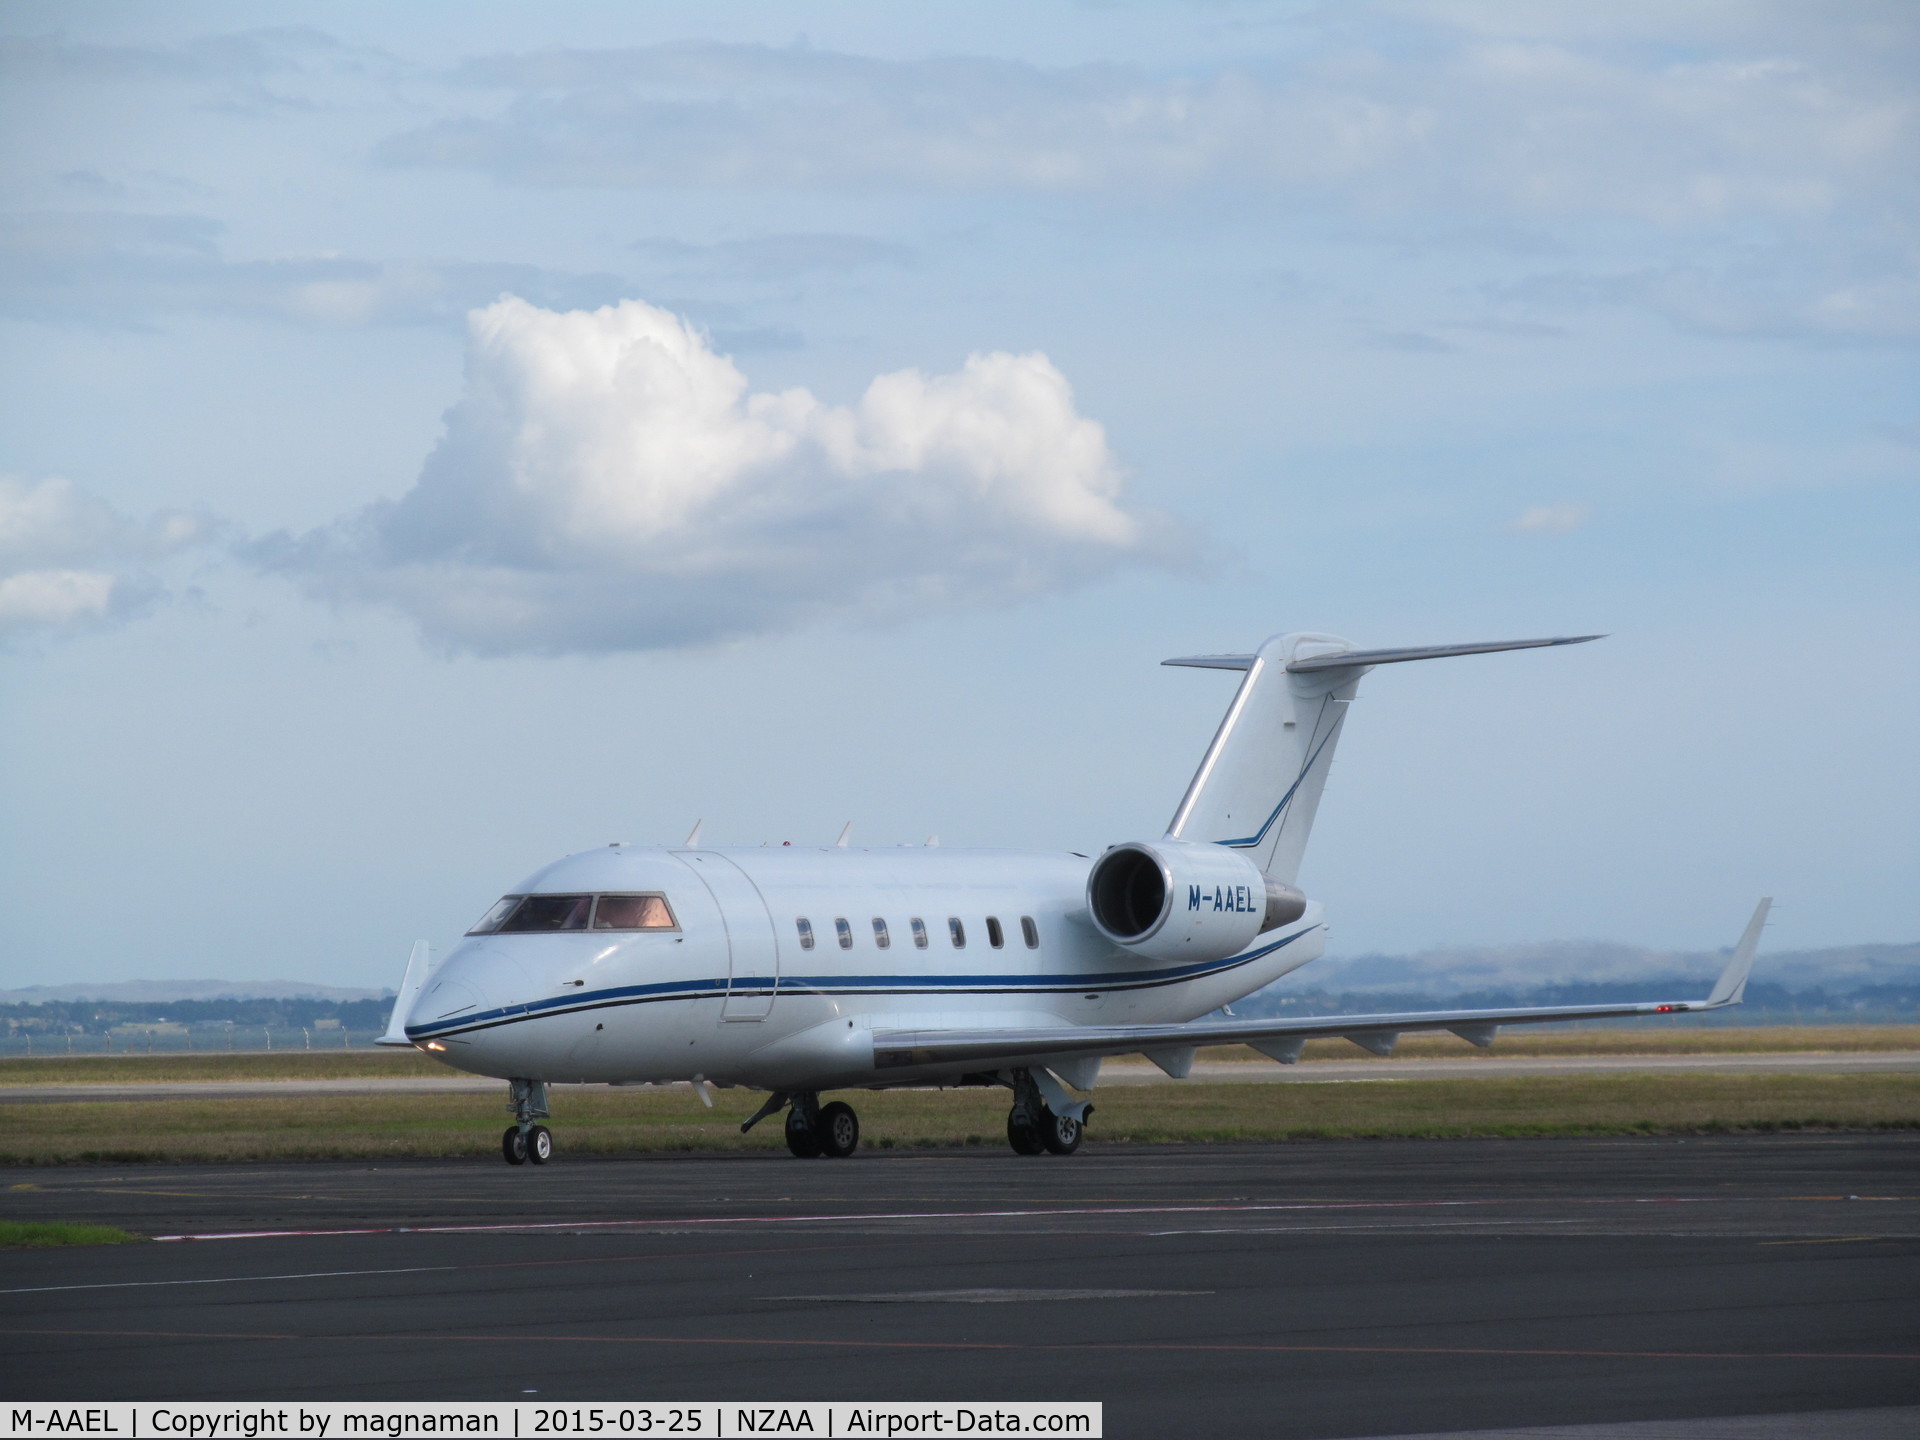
(224, 1279)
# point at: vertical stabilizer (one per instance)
(1259, 785)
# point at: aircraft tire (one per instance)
(1061, 1134)
(539, 1145)
(838, 1130)
(801, 1139)
(513, 1145)
(1022, 1134)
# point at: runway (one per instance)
(1253, 1072)
(1333, 1289)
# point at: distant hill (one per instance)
(1839, 970)
(137, 992)
(1871, 983)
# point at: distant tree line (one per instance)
(97, 1017)
(1766, 1004)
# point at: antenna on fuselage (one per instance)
(932, 840)
(693, 836)
(846, 834)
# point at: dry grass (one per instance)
(596, 1121)
(1653, 1039)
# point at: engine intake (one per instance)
(1177, 900)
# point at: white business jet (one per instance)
(801, 970)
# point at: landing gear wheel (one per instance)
(1022, 1133)
(838, 1130)
(540, 1144)
(513, 1145)
(802, 1139)
(1060, 1133)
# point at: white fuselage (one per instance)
(732, 995)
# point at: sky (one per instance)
(438, 438)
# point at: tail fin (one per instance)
(1259, 785)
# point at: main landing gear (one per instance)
(813, 1129)
(525, 1140)
(1036, 1128)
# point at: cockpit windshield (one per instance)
(543, 914)
(539, 913)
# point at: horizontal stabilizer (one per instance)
(1341, 660)
(1213, 662)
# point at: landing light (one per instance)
(433, 1045)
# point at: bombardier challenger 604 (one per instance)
(802, 971)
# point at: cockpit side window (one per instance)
(633, 912)
(542, 913)
(490, 921)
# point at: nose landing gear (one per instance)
(524, 1140)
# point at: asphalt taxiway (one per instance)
(1333, 1289)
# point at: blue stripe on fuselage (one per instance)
(844, 985)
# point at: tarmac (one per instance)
(1708, 1288)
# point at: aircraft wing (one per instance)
(1172, 1046)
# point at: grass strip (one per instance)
(34, 1234)
(600, 1121)
(1655, 1038)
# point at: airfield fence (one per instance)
(235, 1039)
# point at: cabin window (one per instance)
(805, 927)
(845, 932)
(994, 936)
(880, 936)
(490, 921)
(542, 913)
(956, 932)
(1029, 932)
(919, 932)
(633, 912)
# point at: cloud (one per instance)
(69, 561)
(1865, 291)
(1487, 108)
(1559, 519)
(609, 482)
(119, 268)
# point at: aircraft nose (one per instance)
(472, 979)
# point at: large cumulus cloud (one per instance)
(609, 481)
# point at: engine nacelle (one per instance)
(1178, 900)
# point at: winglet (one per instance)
(846, 834)
(411, 984)
(692, 841)
(1731, 987)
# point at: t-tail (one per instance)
(1259, 785)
